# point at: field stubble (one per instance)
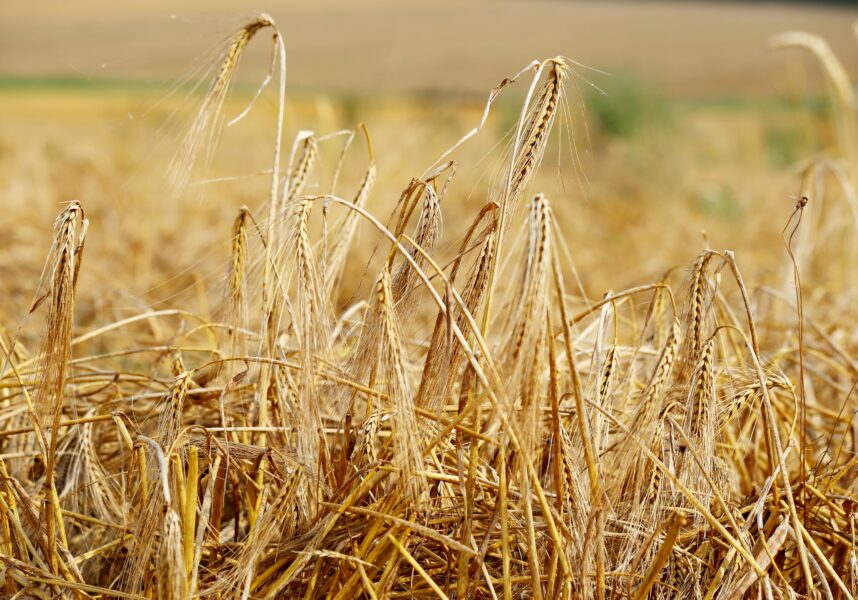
(301, 399)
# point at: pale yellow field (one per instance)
(380, 46)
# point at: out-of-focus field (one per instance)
(639, 203)
(382, 46)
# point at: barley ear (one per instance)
(201, 137)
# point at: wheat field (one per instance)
(529, 345)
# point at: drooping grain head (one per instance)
(62, 268)
(366, 446)
(700, 409)
(697, 305)
(539, 120)
(747, 390)
(444, 356)
(311, 321)
(379, 356)
(201, 137)
(238, 267)
(651, 398)
(173, 404)
(608, 374)
(302, 169)
(698, 463)
(88, 487)
(525, 353)
(392, 361)
(426, 234)
(530, 300)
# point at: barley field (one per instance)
(428, 300)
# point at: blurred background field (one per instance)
(685, 121)
(384, 46)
